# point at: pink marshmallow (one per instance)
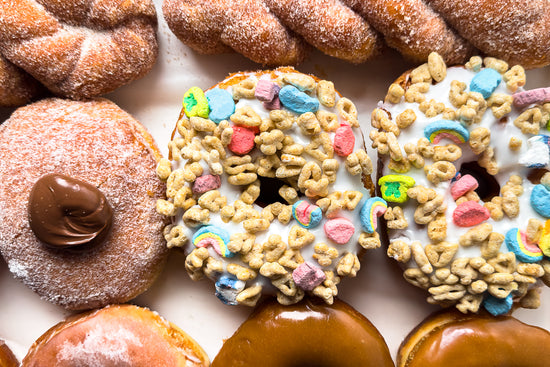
(242, 140)
(470, 213)
(463, 185)
(344, 140)
(525, 98)
(339, 230)
(266, 90)
(206, 183)
(307, 276)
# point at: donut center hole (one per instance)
(269, 191)
(535, 175)
(488, 186)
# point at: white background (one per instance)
(379, 291)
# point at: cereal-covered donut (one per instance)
(464, 162)
(78, 223)
(270, 187)
(309, 333)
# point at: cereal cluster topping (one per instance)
(467, 182)
(269, 186)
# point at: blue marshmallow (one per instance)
(485, 82)
(221, 104)
(498, 306)
(297, 101)
(227, 289)
(540, 200)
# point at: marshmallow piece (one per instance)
(525, 98)
(242, 140)
(470, 213)
(297, 101)
(372, 209)
(394, 187)
(215, 237)
(339, 230)
(498, 306)
(228, 288)
(463, 185)
(195, 103)
(206, 183)
(307, 276)
(538, 152)
(275, 104)
(307, 215)
(516, 241)
(540, 200)
(344, 140)
(485, 82)
(266, 90)
(221, 104)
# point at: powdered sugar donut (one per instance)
(465, 172)
(269, 186)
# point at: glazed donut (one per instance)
(309, 333)
(269, 187)
(7, 358)
(83, 48)
(516, 31)
(453, 339)
(78, 194)
(16, 87)
(117, 335)
(463, 166)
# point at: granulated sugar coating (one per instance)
(98, 143)
(80, 49)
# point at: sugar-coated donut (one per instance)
(7, 358)
(452, 339)
(464, 166)
(16, 87)
(309, 333)
(77, 198)
(116, 335)
(83, 48)
(270, 187)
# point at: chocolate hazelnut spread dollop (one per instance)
(66, 212)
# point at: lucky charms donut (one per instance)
(269, 186)
(308, 333)
(464, 168)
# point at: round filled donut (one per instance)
(269, 187)
(80, 49)
(464, 167)
(116, 335)
(451, 339)
(309, 333)
(7, 358)
(78, 195)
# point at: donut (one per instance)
(83, 48)
(353, 30)
(451, 339)
(78, 198)
(464, 168)
(7, 358)
(16, 87)
(116, 335)
(309, 333)
(269, 187)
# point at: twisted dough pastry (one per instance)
(79, 48)
(517, 31)
(16, 87)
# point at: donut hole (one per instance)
(535, 175)
(488, 186)
(269, 191)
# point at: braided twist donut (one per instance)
(515, 31)
(16, 86)
(82, 48)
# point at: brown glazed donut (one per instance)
(85, 260)
(309, 333)
(83, 48)
(16, 87)
(7, 359)
(117, 335)
(452, 339)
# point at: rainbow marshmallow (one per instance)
(215, 237)
(446, 129)
(517, 243)
(307, 215)
(371, 210)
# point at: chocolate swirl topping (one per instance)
(66, 212)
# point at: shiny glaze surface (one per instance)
(309, 333)
(482, 341)
(66, 212)
(7, 359)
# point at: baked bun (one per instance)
(269, 187)
(78, 193)
(352, 30)
(80, 49)
(464, 165)
(452, 339)
(117, 335)
(7, 358)
(309, 333)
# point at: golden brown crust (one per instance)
(113, 336)
(80, 49)
(450, 339)
(16, 87)
(100, 144)
(7, 358)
